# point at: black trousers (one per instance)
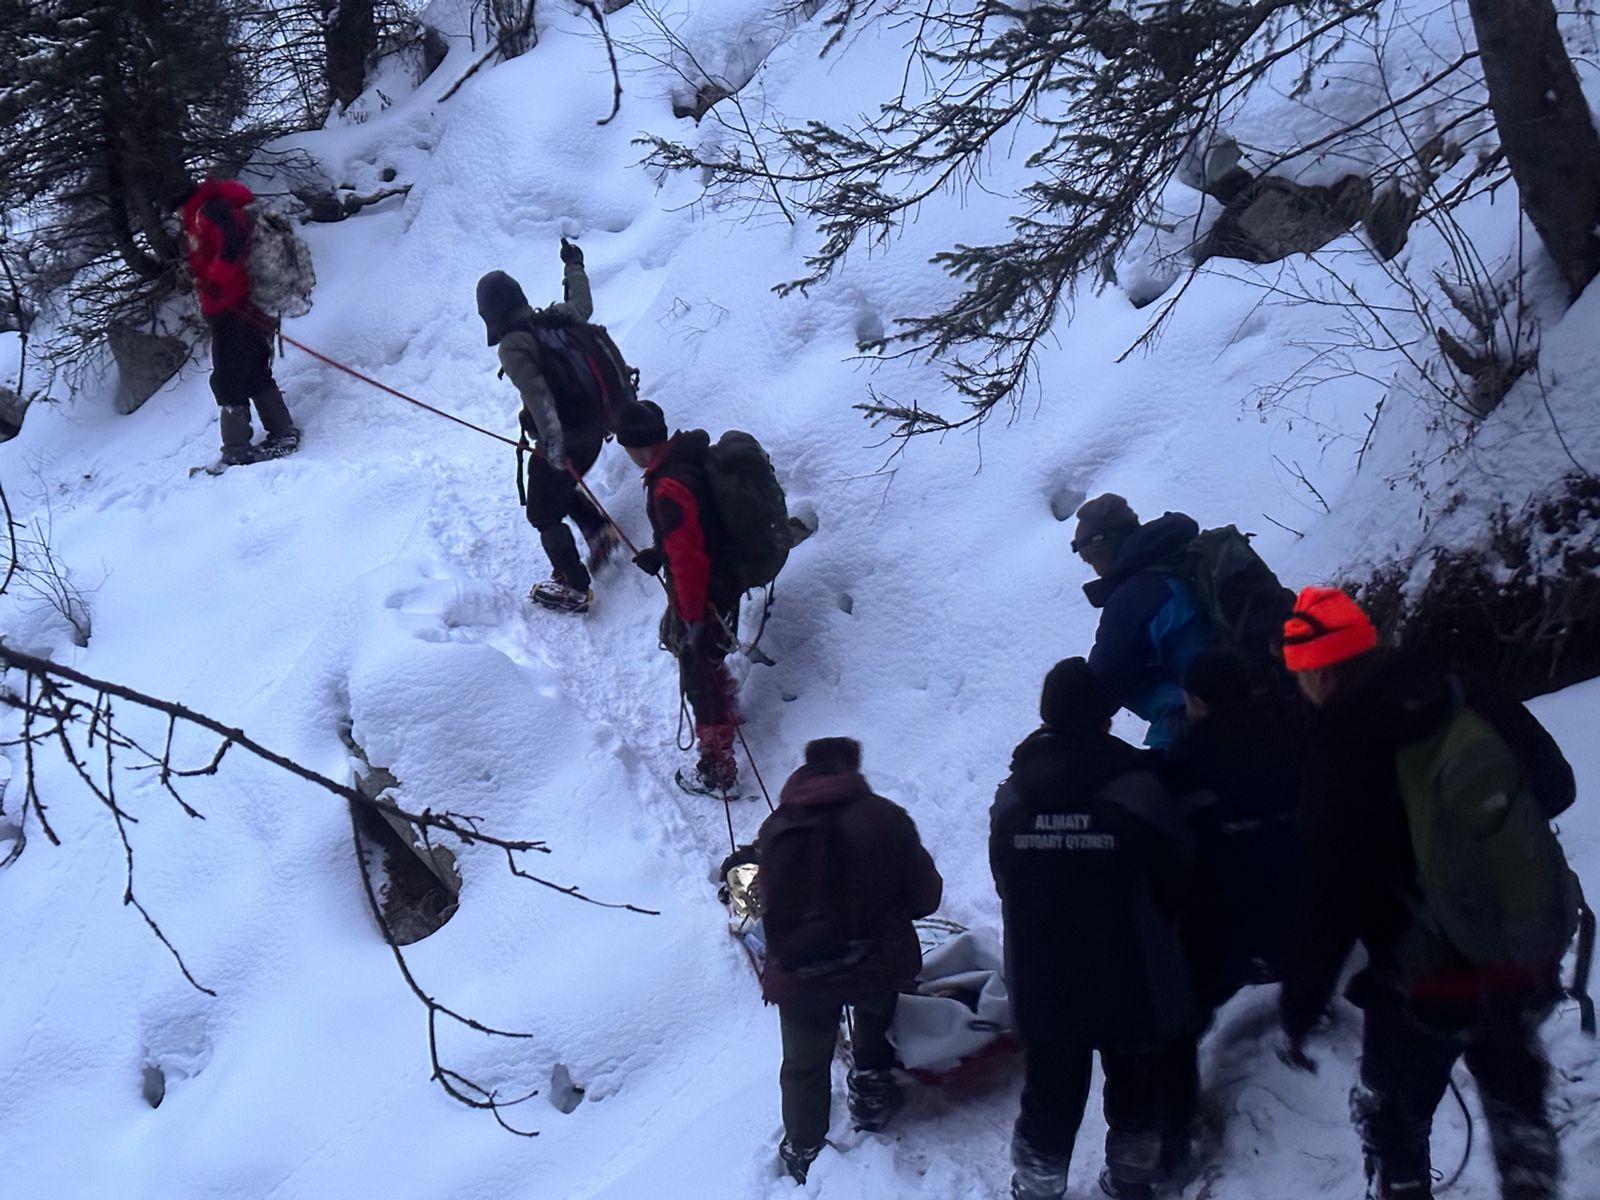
(241, 358)
(554, 496)
(1405, 1069)
(810, 1032)
(1150, 1096)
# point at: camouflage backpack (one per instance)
(753, 511)
(279, 265)
(1238, 592)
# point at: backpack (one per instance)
(1497, 888)
(752, 509)
(1237, 591)
(586, 372)
(279, 265)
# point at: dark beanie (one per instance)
(834, 755)
(641, 423)
(1104, 520)
(1222, 678)
(1074, 698)
(499, 298)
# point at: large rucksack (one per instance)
(1496, 885)
(279, 265)
(1238, 592)
(586, 372)
(751, 507)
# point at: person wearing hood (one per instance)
(1151, 623)
(1425, 812)
(568, 431)
(843, 876)
(216, 231)
(1089, 855)
(701, 625)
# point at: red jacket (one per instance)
(674, 484)
(216, 229)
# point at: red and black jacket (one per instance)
(216, 229)
(684, 520)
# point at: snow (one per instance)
(377, 579)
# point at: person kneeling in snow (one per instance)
(216, 230)
(568, 426)
(1088, 854)
(843, 876)
(700, 626)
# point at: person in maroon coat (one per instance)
(843, 876)
(216, 230)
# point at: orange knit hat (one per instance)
(1327, 627)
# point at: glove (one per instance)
(529, 429)
(650, 560)
(1292, 1054)
(571, 254)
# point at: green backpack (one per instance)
(751, 506)
(1496, 886)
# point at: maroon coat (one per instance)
(843, 875)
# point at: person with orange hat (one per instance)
(1427, 840)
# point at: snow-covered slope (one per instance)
(378, 578)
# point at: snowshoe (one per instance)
(604, 545)
(558, 597)
(708, 780)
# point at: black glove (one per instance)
(571, 254)
(650, 560)
(529, 429)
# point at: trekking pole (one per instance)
(601, 509)
(765, 795)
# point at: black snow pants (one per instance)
(1405, 1069)
(810, 1031)
(241, 358)
(554, 496)
(1150, 1097)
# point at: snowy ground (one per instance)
(377, 577)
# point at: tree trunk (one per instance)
(1545, 129)
(350, 37)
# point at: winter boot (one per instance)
(795, 1161)
(708, 779)
(1120, 1187)
(1036, 1176)
(558, 597)
(601, 547)
(282, 436)
(234, 423)
(875, 1097)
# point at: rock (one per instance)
(12, 406)
(145, 361)
(1271, 218)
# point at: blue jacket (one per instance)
(1151, 625)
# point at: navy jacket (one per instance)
(1151, 625)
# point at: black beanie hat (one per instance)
(1105, 520)
(1222, 678)
(834, 755)
(641, 423)
(499, 298)
(1074, 698)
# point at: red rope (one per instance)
(384, 387)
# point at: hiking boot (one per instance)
(276, 445)
(795, 1161)
(240, 456)
(558, 597)
(875, 1097)
(708, 778)
(601, 547)
(1120, 1187)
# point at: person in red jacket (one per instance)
(216, 230)
(702, 618)
(843, 876)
